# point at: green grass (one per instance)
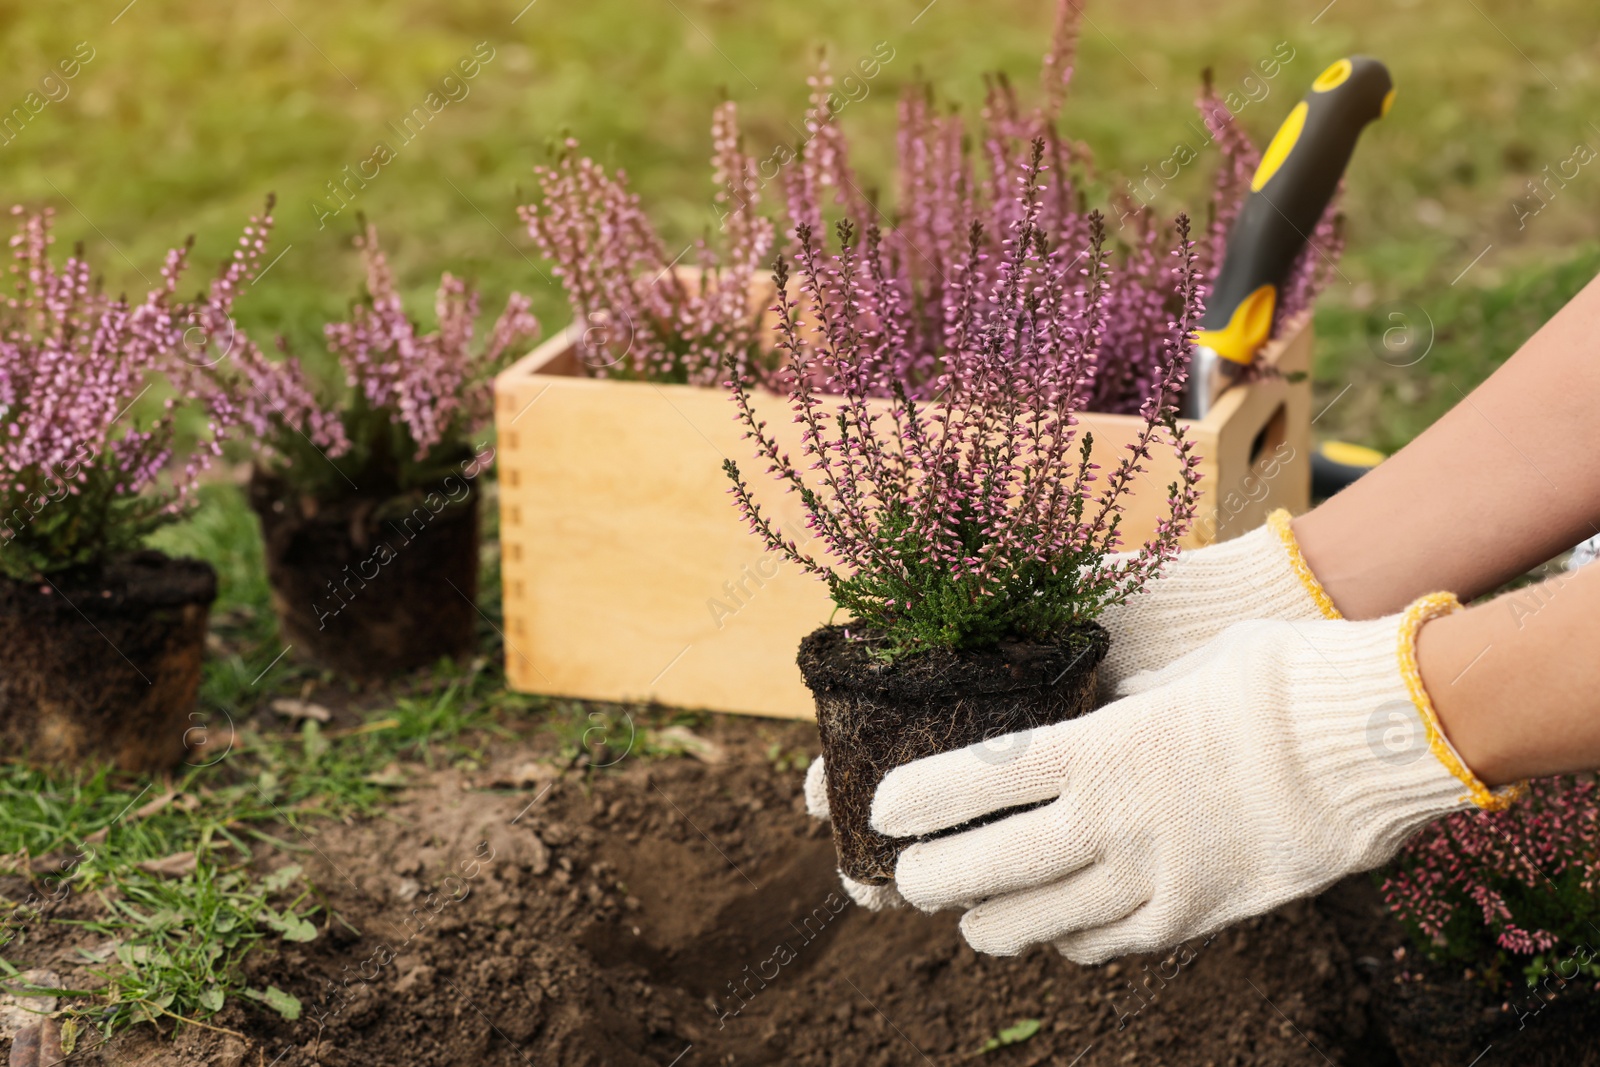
(1440, 344)
(179, 941)
(190, 113)
(271, 791)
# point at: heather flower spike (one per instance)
(643, 316)
(84, 475)
(225, 368)
(1505, 891)
(435, 384)
(973, 512)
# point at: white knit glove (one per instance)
(1256, 770)
(1199, 594)
(871, 897)
(1261, 575)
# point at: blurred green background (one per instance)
(189, 113)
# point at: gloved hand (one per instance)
(1253, 771)
(1202, 592)
(1261, 575)
(871, 897)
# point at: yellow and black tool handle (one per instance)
(1297, 177)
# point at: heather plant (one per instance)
(83, 476)
(642, 319)
(940, 185)
(978, 514)
(410, 399)
(1508, 891)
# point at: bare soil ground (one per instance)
(685, 912)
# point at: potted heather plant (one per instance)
(644, 317)
(101, 639)
(625, 396)
(369, 503)
(1503, 912)
(970, 533)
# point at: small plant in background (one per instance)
(787, 759)
(367, 489)
(411, 400)
(1503, 893)
(415, 395)
(642, 319)
(977, 516)
(84, 480)
(90, 469)
(1015, 1034)
(83, 477)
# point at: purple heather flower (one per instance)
(644, 319)
(75, 364)
(433, 383)
(961, 505)
(438, 385)
(1482, 886)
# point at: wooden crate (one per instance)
(629, 576)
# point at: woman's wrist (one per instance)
(1340, 555)
(1448, 650)
(1515, 682)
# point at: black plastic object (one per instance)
(1329, 476)
(1292, 186)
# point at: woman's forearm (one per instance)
(1516, 680)
(1503, 482)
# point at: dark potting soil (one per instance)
(104, 662)
(1431, 1017)
(875, 717)
(687, 913)
(371, 587)
(1443, 1022)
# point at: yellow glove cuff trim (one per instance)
(1278, 522)
(1422, 610)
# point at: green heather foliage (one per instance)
(403, 417)
(976, 515)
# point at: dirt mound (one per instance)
(680, 913)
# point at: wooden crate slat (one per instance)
(629, 575)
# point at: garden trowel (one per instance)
(1291, 188)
